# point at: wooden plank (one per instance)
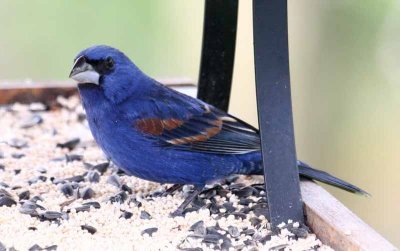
(335, 225)
(47, 91)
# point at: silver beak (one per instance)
(83, 72)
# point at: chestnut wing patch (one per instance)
(209, 132)
(155, 126)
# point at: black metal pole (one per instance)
(274, 105)
(218, 52)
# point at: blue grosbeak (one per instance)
(155, 133)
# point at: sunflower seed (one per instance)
(2, 167)
(73, 157)
(149, 231)
(94, 204)
(51, 248)
(33, 120)
(52, 215)
(25, 195)
(126, 188)
(198, 228)
(126, 215)
(7, 201)
(102, 167)
(70, 144)
(2, 247)
(67, 189)
(212, 238)
(18, 143)
(93, 176)
(35, 247)
(90, 229)
(17, 155)
(87, 193)
(114, 180)
(233, 231)
(76, 178)
(145, 215)
(119, 197)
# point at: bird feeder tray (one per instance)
(333, 223)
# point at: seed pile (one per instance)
(59, 192)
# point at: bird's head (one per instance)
(108, 69)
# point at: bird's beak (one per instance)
(83, 72)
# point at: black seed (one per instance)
(229, 207)
(248, 231)
(198, 203)
(32, 228)
(2, 167)
(17, 171)
(119, 197)
(90, 229)
(145, 215)
(212, 238)
(126, 215)
(51, 248)
(245, 201)
(114, 180)
(17, 155)
(135, 202)
(233, 231)
(35, 247)
(7, 201)
(214, 209)
(73, 157)
(298, 232)
(94, 204)
(87, 193)
(210, 193)
(83, 208)
(190, 249)
(18, 143)
(33, 120)
(36, 198)
(255, 221)
(2, 184)
(149, 231)
(67, 189)
(126, 188)
(102, 168)
(70, 144)
(93, 176)
(244, 192)
(222, 192)
(42, 170)
(52, 215)
(15, 187)
(77, 178)
(198, 228)
(25, 195)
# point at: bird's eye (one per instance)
(109, 62)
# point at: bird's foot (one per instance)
(180, 210)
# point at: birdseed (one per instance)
(59, 192)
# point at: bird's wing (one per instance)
(198, 127)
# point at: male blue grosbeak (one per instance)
(155, 133)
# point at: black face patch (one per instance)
(102, 66)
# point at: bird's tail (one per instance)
(307, 171)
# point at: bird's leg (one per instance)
(172, 189)
(188, 200)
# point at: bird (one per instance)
(155, 133)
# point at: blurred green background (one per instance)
(345, 62)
